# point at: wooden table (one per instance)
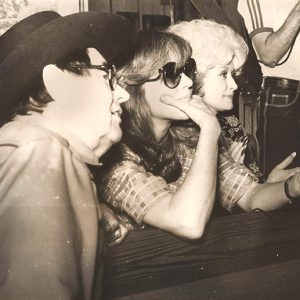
(247, 256)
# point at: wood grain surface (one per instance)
(239, 257)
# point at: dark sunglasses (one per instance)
(109, 69)
(172, 74)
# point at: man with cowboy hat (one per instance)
(59, 103)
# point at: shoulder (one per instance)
(29, 142)
(128, 174)
(19, 134)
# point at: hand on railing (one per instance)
(280, 173)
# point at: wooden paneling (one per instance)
(100, 5)
(141, 7)
(149, 7)
(125, 5)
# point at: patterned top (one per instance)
(232, 130)
(130, 188)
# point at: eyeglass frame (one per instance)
(162, 72)
(110, 69)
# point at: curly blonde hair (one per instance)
(213, 44)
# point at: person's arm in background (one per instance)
(280, 172)
(270, 196)
(237, 185)
(271, 45)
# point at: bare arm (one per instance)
(187, 211)
(271, 47)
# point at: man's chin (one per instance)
(116, 137)
(107, 141)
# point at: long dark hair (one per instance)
(152, 51)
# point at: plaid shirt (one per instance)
(130, 188)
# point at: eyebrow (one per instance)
(230, 60)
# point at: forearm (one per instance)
(274, 46)
(191, 205)
(267, 196)
(186, 212)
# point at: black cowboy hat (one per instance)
(46, 37)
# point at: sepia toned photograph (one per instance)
(149, 149)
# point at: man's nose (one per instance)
(120, 95)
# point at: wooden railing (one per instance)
(246, 256)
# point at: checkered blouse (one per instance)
(131, 189)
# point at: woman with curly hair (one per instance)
(220, 54)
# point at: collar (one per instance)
(80, 149)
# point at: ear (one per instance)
(54, 78)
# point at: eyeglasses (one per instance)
(172, 74)
(109, 69)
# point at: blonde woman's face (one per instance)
(219, 86)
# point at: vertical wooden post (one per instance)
(83, 5)
(172, 12)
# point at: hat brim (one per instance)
(110, 34)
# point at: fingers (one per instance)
(236, 147)
(120, 236)
(294, 185)
(236, 153)
(287, 161)
(296, 174)
(292, 172)
(237, 150)
(113, 237)
(242, 158)
(115, 231)
(194, 108)
(109, 220)
(110, 225)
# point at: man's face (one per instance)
(86, 103)
(110, 110)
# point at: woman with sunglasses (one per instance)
(149, 179)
